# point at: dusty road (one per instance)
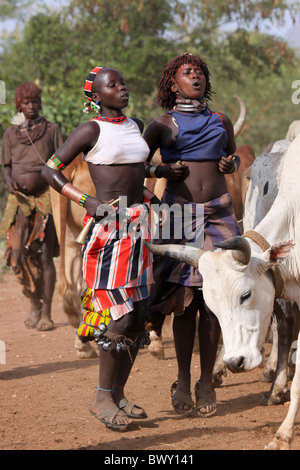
(46, 391)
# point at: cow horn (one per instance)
(241, 250)
(238, 126)
(186, 254)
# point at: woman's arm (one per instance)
(231, 163)
(160, 132)
(81, 140)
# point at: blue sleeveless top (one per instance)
(201, 136)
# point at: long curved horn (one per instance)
(186, 254)
(241, 250)
(238, 126)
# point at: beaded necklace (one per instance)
(117, 120)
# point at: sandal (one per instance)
(184, 397)
(45, 325)
(107, 417)
(127, 406)
(205, 403)
(33, 319)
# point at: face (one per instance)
(189, 82)
(30, 107)
(242, 299)
(110, 89)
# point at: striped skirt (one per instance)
(117, 266)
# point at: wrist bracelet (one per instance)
(152, 172)
(55, 163)
(83, 199)
(69, 191)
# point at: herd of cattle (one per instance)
(245, 280)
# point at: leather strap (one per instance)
(264, 245)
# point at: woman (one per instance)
(27, 221)
(117, 267)
(197, 148)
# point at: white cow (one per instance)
(241, 282)
(261, 194)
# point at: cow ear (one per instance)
(277, 253)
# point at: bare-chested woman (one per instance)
(117, 266)
(27, 221)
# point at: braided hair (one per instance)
(165, 97)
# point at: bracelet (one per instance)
(152, 172)
(83, 199)
(55, 163)
(69, 191)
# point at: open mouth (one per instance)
(197, 85)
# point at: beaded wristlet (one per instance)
(83, 199)
(55, 163)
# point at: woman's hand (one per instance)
(172, 171)
(97, 208)
(227, 165)
(11, 186)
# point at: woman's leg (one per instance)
(109, 363)
(48, 274)
(209, 335)
(184, 328)
(126, 360)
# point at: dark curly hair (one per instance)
(165, 97)
(26, 90)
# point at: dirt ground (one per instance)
(46, 391)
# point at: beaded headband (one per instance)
(89, 82)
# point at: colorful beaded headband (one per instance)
(89, 82)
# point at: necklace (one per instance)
(191, 106)
(117, 120)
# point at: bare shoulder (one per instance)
(86, 131)
(81, 139)
(226, 120)
(227, 123)
(139, 122)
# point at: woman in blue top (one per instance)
(197, 149)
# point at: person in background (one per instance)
(27, 222)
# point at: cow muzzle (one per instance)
(235, 364)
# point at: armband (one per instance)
(55, 163)
(69, 191)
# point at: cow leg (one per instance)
(155, 325)
(279, 392)
(284, 435)
(84, 350)
(269, 372)
(296, 329)
(219, 369)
